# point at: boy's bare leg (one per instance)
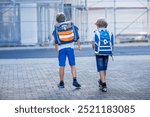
(103, 80)
(103, 76)
(75, 82)
(61, 73)
(73, 71)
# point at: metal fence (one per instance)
(129, 20)
(30, 22)
(9, 24)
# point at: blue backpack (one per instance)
(66, 32)
(103, 42)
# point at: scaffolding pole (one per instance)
(148, 22)
(115, 20)
(86, 20)
(62, 6)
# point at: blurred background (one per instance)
(31, 22)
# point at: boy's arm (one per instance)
(93, 44)
(78, 43)
(93, 41)
(56, 48)
(112, 41)
(77, 37)
(55, 44)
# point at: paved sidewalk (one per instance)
(128, 78)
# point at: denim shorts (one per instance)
(101, 62)
(66, 52)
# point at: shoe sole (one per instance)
(76, 86)
(60, 86)
(104, 90)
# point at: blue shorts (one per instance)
(66, 52)
(102, 62)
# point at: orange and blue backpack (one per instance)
(66, 32)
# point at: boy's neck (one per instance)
(100, 28)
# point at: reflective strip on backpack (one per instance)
(104, 46)
(65, 32)
(106, 50)
(66, 36)
(110, 34)
(67, 39)
(98, 34)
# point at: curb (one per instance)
(82, 46)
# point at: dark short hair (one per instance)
(101, 23)
(60, 17)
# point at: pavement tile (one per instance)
(37, 79)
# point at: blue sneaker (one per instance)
(61, 85)
(104, 87)
(76, 84)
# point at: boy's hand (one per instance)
(78, 43)
(93, 44)
(56, 47)
(79, 48)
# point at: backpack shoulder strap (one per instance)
(56, 29)
(97, 32)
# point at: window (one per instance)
(68, 11)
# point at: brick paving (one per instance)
(128, 78)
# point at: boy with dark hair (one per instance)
(65, 34)
(103, 46)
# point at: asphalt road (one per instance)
(85, 52)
